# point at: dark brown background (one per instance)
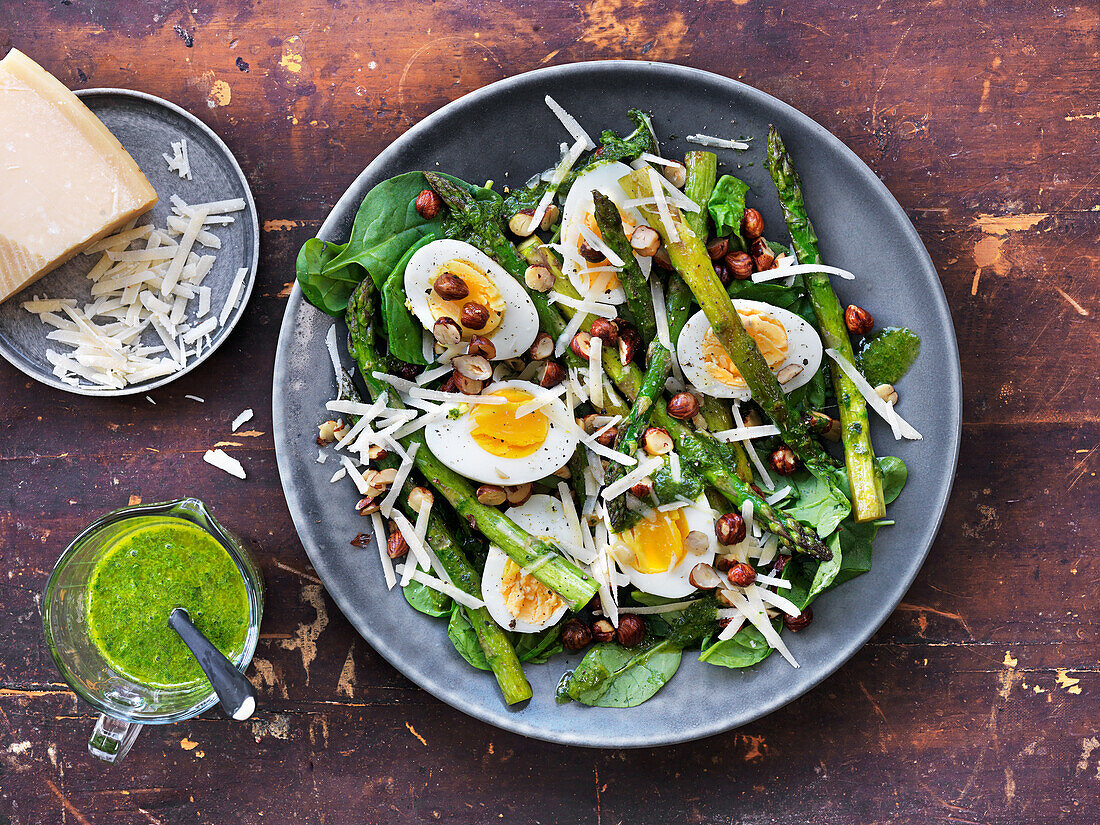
(982, 118)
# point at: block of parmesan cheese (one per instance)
(66, 181)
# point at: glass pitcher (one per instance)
(125, 705)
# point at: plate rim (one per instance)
(226, 329)
(501, 717)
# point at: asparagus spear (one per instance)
(859, 456)
(559, 574)
(691, 260)
(638, 300)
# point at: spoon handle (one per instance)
(235, 692)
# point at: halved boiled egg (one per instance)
(578, 222)
(790, 346)
(490, 443)
(657, 554)
(512, 322)
(515, 598)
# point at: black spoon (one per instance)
(235, 692)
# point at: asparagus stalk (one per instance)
(638, 301)
(859, 456)
(702, 172)
(689, 257)
(559, 574)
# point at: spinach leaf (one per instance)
(821, 504)
(855, 541)
(747, 647)
(610, 676)
(894, 476)
(727, 207)
(538, 648)
(464, 638)
(427, 601)
(887, 355)
(328, 292)
(403, 331)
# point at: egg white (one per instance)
(578, 204)
(519, 323)
(673, 583)
(452, 443)
(803, 348)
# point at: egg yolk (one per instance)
(771, 339)
(498, 431)
(657, 545)
(588, 276)
(526, 598)
(482, 291)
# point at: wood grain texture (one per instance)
(982, 116)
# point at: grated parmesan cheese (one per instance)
(717, 142)
(224, 461)
(241, 419)
(800, 269)
(873, 399)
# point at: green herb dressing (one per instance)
(159, 564)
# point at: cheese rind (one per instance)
(67, 181)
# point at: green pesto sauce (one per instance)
(161, 564)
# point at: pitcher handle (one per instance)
(112, 738)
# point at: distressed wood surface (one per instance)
(978, 700)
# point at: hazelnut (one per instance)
(683, 406)
(474, 315)
(717, 248)
(467, 386)
(642, 488)
(740, 265)
(783, 461)
(607, 437)
(539, 278)
(588, 423)
(550, 216)
(521, 224)
(799, 622)
(662, 259)
(326, 433)
(542, 348)
(631, 630)
(725, 562)
(604, 330)
(419, 498)
(409, 371)
(753, 418)
(752, 224)
(696, 542)
(564, 473)
(518, 494)
(480, 345)
(428, 204)
(396, 546)
(576, 635)
(475, 367)
(630, 344)
(788, 373)
(645, 241)
(724, 598)
(581, 344)
(447, 332)
(741, 574)
(762, 255)
(376, 452)
(887, 393)
(368, 505)
(450, 287)
(550, 374)
(383, 478)
(675, 173)
(590, 253)
(703, 577)
(730, 529)
(858, 320)
(491, 495)
(602, 631)
(779, 563)
(723, 273)
(449, 384)
(832, 432)
(657, 441)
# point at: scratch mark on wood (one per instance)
(299, 573)
(412, 730)
(66, 804)
(1080, 309)
(1083, 117)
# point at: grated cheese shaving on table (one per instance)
(716, 142)
(339, 474)
(223, 461)
(873, 399)
(322, 456)
(234, 295)
(195, 398)
(243, 418)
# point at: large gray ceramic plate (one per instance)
(146, 126)
(504, 132)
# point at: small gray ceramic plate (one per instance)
(146, 126)
(505, 132)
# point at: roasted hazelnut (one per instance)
(783, 461)
(657, 441)
(480, 345)
(730, 529)
(788, 373)
(741, 574)
(605, 330)
(550, 217)
(467, 386)
(602, 631)
(539, 278)
(675, 173)
(475, 367)
(551, 374)
(723, 273)
(368, 505)
(576, 635)
(491, 495)
(608, 436)
(740, 265)
(887, 393)
(564, 473)
(382, 479)
(717, 248)
(661, 258)
(703, 577)
(762, 256)
(447, 332)
(396, 546)
(642, 488)
(630, 344)
(753, 418)
(428, 204)
(521, 223)
(326, 433)
(590, 253)
(683, 406)
(517, 494)
(696, 542)
(752, 224)
(542, 348)
(474, 315)
(833, 431)
(779, 563)
(645, 241)
(631, 631)
(420, 497)
(725, 562)
(450, 287)
(858, 320)
(581, 344)
(409, 371)
(376, 452)
(799, 622)
(450, 383)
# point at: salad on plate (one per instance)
(608, 412)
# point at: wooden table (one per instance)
(976, 703)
